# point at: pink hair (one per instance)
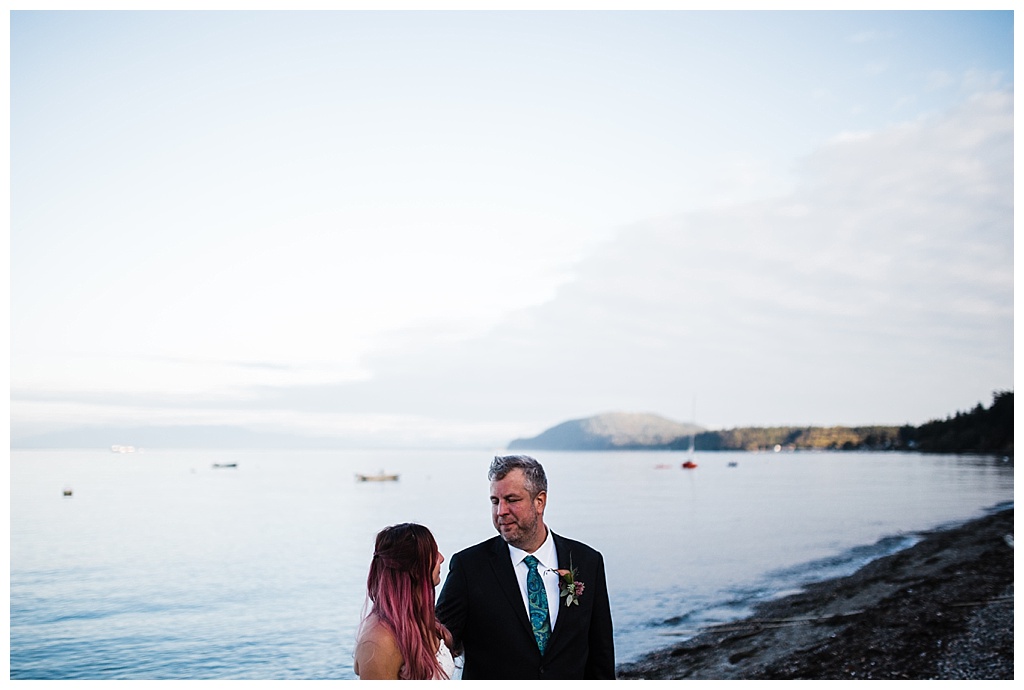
(401, 587)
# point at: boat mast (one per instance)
(693, 421)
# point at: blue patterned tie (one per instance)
(538, 598)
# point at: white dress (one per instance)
(444, 657)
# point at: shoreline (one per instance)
(941, 609)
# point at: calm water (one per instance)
(162, 567)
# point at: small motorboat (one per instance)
(379, 477)
(689, 465)
(733, 464)
(68, 492)
(218, 465)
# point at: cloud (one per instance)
(892, 284)
(939, 79)
(880, 291)
(868, 36)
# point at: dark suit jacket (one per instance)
(482, 606)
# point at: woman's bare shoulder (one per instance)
(377, 653)
(374, 630)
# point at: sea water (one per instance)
(160, 565)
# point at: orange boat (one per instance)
(689, 465)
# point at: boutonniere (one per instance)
(569, 587)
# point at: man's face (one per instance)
(518, 518)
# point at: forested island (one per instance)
(980, 430)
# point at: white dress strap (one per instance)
(444, 657)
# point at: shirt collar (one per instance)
(547, 554)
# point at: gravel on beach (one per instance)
(942, 609)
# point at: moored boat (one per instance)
(379, 477)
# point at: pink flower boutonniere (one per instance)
(569, 587)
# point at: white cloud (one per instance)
(869, 36)
(883, 283)
(430, 240)
(981, 81)
(939, 79)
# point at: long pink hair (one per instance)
(401, 587)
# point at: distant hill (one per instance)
(611, 431)
(980, 430)
(802, 438)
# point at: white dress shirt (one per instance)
(547, 556)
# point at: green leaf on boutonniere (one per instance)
(569, 588)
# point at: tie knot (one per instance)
(531, 562)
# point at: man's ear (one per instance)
(542, 500)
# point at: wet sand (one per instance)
(942, 609)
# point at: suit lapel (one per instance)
(504, 573)
(564, 557)
(562, 549)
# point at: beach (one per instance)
(942, 609)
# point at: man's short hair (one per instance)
(536, 480)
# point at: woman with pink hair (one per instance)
(399, 639)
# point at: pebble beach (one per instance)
(942, 609)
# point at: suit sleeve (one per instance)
(601, 657)
(451, 605)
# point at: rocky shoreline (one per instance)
(942, 609)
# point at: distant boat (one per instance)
(379, 477)
(68, 492)
(122, 449)
(733, 464)
(225, 464)
(691, 463)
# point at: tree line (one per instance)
(980, 430)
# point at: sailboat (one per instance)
(690, 463)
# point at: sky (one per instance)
(455, 228)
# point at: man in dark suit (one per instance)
(527, 604)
